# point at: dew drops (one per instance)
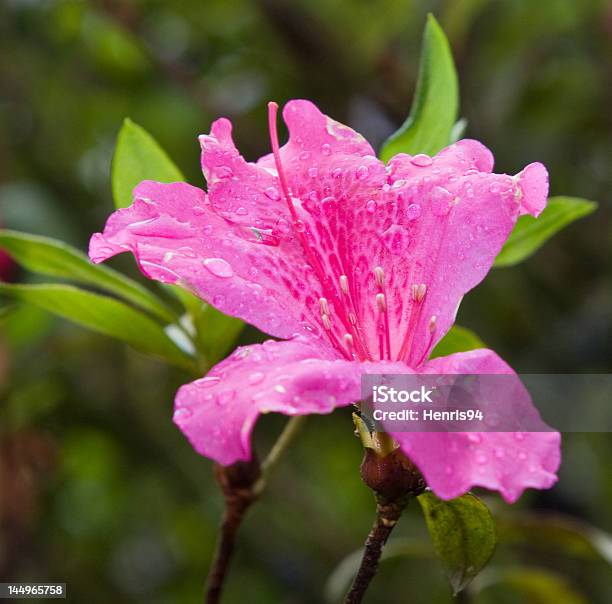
(421, 160)
(219, 300)
(371, 206)
(522, 456)
(474, 437)
(225, 397)
(198, 210)
(218, 267)
(329, 204)
(361, 172)
(413, 211)
(499, 453)
(209, 381)
(272, 193)
(481, 458)
(494, 187)
(299, 225)
(304, 155)
(337, 173)
(256, 378)
(519, 436)
(182, 414)
(242, 211)
(325, 149)
(283, 226)
(313, 172)
(440, 201)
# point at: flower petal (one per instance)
(435, 234)
(178, 237)
(509, 462)
(296, 377)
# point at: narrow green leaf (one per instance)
(138, 157)
(102, 314)
(434, 108)
(531, 233)
(458, 339)
(54, 258)
(463, 535)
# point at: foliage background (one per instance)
(97, 488)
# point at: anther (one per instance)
(379, 273)
(326, 322)
(324, 306)
(348, 340)
(432, 323)
(344, 284)
(352, 317)
(380, 302)
(418, 291)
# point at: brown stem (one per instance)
(237, 482)
(387, 515)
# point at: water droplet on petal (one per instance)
(325, 149)
(421, 160)
(522, 456)
(198, 210)
(413, 211)
(519, 436)
(256, 378)
(300, 227)
(182, 414)
(313, 172)
(218, 267)
(440, 201)
(272, 193)
(206, 382)
(225, 397)
(499, 453)
(337, 173)
(361, 173)
(329, 204)
(481, 458)
(283, 225)
(371, 206)
(242, 211)
(304, 155)
(494, 187)
(474, 437)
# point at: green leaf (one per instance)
(458, 339)
(463, 535)
(531, 233)
(54, 258)
(102, 314)
(555, 534)
(434, 108)
(138, 157)
(535, 585)
(217, 333)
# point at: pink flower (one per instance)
(359, 266)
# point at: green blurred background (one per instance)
(97, 488)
